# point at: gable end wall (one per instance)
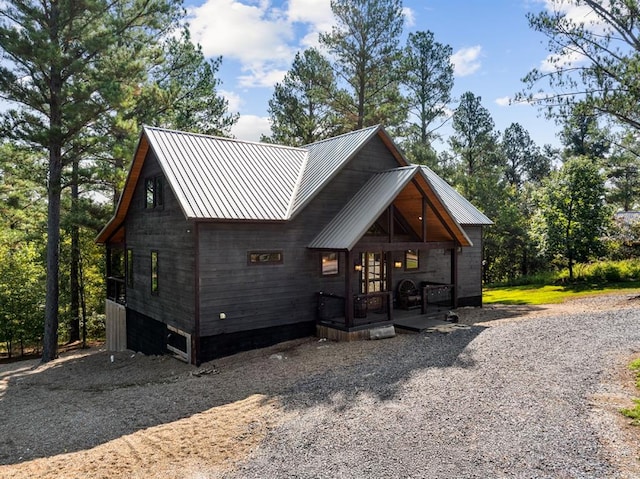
(166, 231)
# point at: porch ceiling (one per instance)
(409, 204)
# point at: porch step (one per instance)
(418, 324)
(382, 332)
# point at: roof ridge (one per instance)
(373, 127)
(223, 138)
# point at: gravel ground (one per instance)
(521, 392)
(514, 399)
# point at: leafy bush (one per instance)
(21, 296)
(593, 273)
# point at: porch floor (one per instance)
(413, 321)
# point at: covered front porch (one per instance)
(398, 245)
(380, 289)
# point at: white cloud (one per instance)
(263, 38)
(409, 17)
(503, 101)
(250, 127)
(248, 33)
(466, 61)
(579, 14)
(574, 14)
(314, 12)
(234, 100)
(260, 75)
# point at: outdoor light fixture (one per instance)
(397, 264)
(358, 267)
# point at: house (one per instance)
(219, 245)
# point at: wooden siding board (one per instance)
(470, 265)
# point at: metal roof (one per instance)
(459, 207)
(357, 216)
(326, 159)
(223, 178)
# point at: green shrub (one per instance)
(600, 272)
(634, 413)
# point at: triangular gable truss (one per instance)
(350, 225)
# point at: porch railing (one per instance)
(367, 308)
(116, 290)
(441, 295)
(330, 307)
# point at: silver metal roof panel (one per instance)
(223, 178)
(459, 207)
(326, 158)
(357, 216)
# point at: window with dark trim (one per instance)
(129, 261)
(411, 259)
(154, 272)
(329, 264)
(264, 257)
(154, 192)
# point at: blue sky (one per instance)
(493, 45)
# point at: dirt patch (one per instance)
(94, 414)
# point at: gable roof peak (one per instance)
(372, 129)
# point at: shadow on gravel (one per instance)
(82, 401)
(383, 373)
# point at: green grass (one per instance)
(545, 294)
(634, 412)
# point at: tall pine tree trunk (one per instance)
(50, 340)
(74, 286)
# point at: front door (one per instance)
(373, 278)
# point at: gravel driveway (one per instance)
(515, 398)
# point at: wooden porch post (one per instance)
(389, 264)
(454, 276)
(389, 283)
(348, 295)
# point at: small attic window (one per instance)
(154, 192)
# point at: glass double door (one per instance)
(373, 278)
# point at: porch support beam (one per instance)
(454, 276)
(435, 210)
(390, 222)
(389, 282)
(348, 295)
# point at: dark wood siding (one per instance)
(166, 231)
(470, 269)
(264, 296)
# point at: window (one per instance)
(154, 192)
(265, 257)
(154, 272)
(330, 264)
(129, 261)
(411, 259)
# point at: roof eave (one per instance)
(127, 193)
